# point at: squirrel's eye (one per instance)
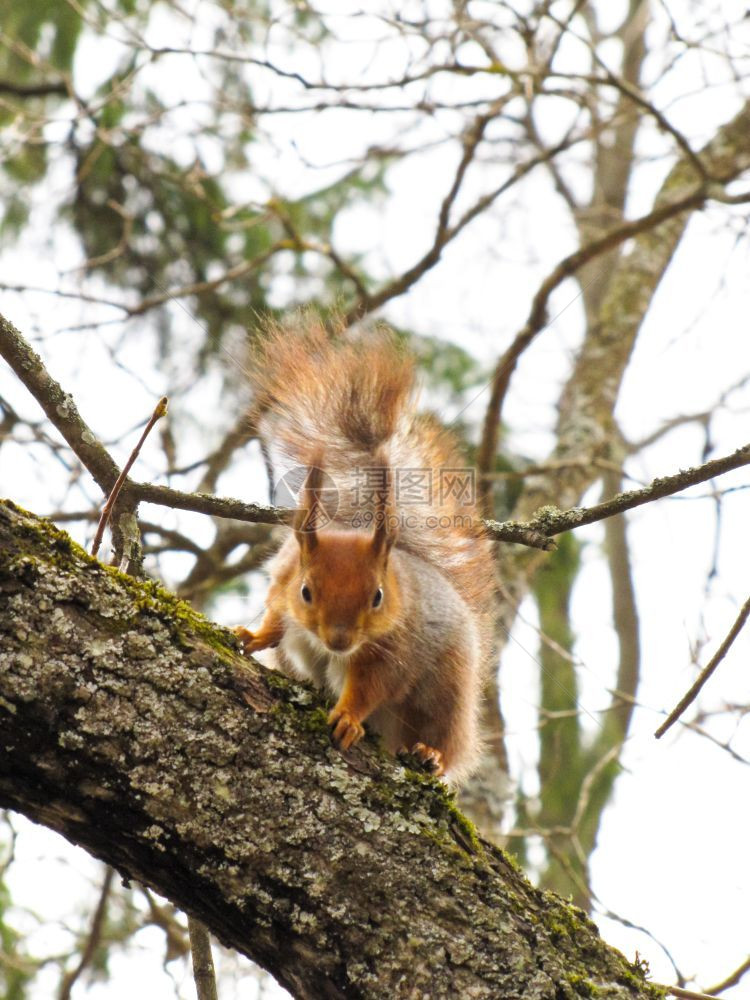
(306, 594)
(378, 598)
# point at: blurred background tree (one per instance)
(524, 191)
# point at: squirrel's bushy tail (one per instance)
(348, 403)
(317, 391)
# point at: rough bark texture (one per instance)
(132, 727)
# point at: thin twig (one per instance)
(44, 88)
(549, 521)
(207, 503)
(678, 991)
(445, 234)
(732, 979)
(159, 411)
(716, 162)
(537, 533)
(537, 320)
(203, 963)
(93, 940)
(165, 917)
(712, 664)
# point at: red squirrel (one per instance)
(388, 607)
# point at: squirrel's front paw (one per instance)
(269, 633)
(248, 640)
(345, 729)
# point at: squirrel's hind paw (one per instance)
(428, 758)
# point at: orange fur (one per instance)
(394, 620)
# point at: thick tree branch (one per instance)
(132, 727)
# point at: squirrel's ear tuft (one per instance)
(304, 530)
(386, 530)
(308, 509)
(384, 538)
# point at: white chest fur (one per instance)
(313, 661)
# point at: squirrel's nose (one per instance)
(338, 637)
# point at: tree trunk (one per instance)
(131, 726)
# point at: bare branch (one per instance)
(550, 521)
(444, 234)
(203, 963)
(93, 939)
(201, 287)
(205, 503)
(678, 991)
(197, 590)
(58, 405)
(537, 319)
(159, 411)
(724, 745)
(536, 533)
(725, 157)
(42, 89)
(712, 664)
(172, 540)
(732, 979)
